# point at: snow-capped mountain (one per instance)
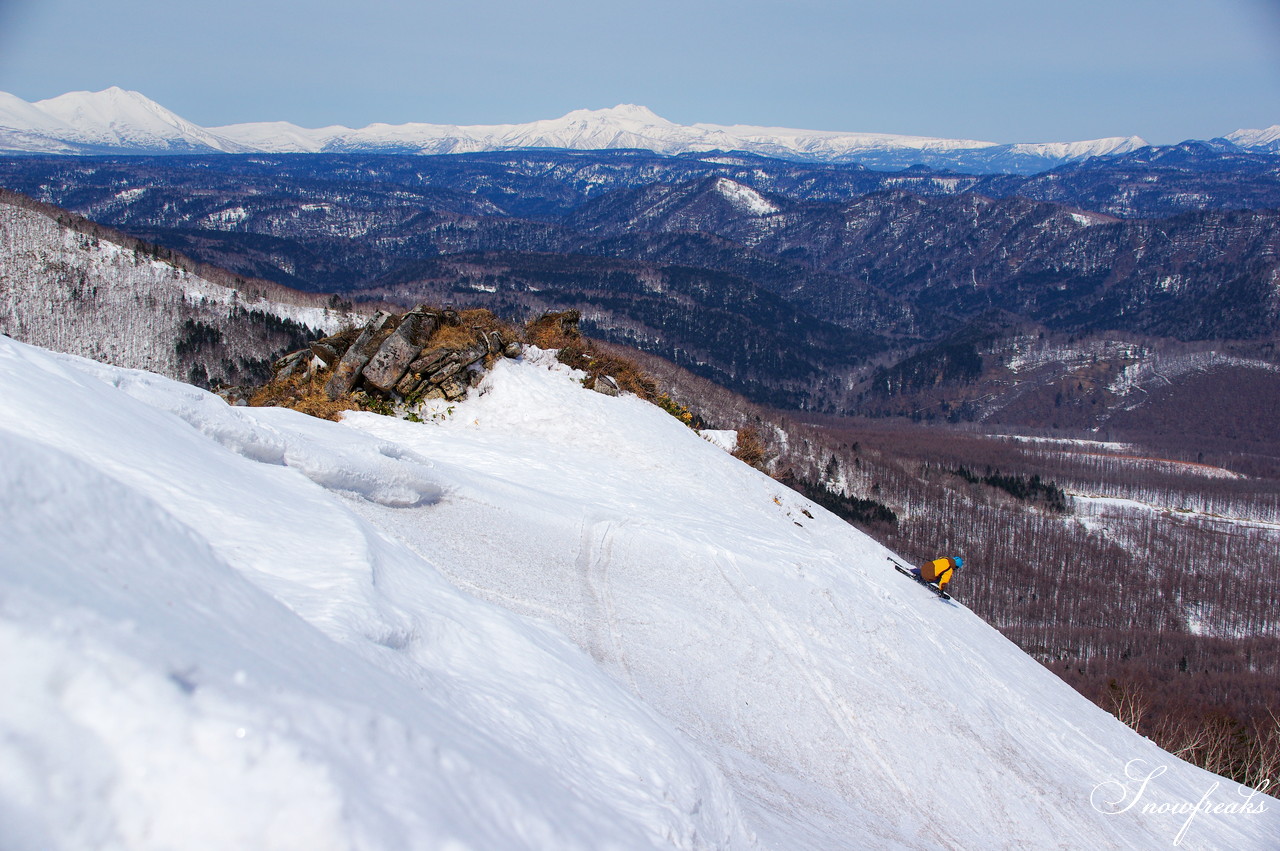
(544, 618)
(26, 128)
(623, 126)
(1260, 141)
(18, 115)
(630, 126)
(110, 121)
(122, 121)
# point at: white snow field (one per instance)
(546, 619)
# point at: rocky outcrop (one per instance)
(440, 354)
(389, 362)
(422, 354)
(348, 370)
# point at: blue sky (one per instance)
(999, 70)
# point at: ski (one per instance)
(907, 573)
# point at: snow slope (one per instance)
(544, 619)
(204, 646)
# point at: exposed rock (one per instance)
(430, 359)
(427, 364)
(325, 351)
(347, 372)
(409, 384)
(606, 385)
(394, 359)
(389, 364)
(492, 339)
(292, 363)
(472, 353)
(446, 371)
(454, 388)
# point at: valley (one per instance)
(856, 295)
(1079, 401)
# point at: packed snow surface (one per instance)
(545, 618)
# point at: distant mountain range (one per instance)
(117, 121)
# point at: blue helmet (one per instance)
(959, 562)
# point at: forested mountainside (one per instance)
(852, 291)
(1191, 276)
(70, 285)
(1149, 182)
(1153, 182)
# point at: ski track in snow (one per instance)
(227, 627)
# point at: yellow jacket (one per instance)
(940, 570)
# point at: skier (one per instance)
(940, 570)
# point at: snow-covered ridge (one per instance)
(623, 126)
(119, 118)
(1081, 150)
(126, 121)
(551, 619)
(1029, 353)
(744, 197)
(1161, 369)
(1267, 139)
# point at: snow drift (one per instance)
(545, 619)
